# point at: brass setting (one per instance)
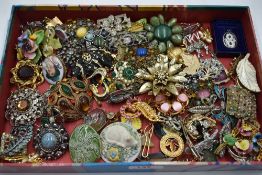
(71, 97)
(26, 74)
(169, 147)
(147, 111)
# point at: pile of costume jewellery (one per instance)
(128, 91)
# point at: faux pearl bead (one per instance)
(177, 106)
(182, 98)
(49, 140)
(165, 107)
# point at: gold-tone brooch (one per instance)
(26, 74)
(163, 76)
(147, 111)
(199, 121)
(169, 141)
(71, 97)
(190, 61)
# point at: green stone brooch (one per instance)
(164, 35)
(70, 96)
(124, 74)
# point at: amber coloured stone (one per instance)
(23, 105)
(85, 107)
(84, 104)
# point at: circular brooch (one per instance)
(120, 143)
(124, 74)
(84, 144)
(53, 69)
(51, 141)
(24, 106)
(169, 146)
(26, 74)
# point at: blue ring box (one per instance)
(229, 38)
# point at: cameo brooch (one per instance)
(53, 69)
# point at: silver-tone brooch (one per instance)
(230, 40)
(51, 141)
(24, 106)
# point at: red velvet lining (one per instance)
(202, 15)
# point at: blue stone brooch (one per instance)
(51, 141)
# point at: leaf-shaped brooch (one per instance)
(192, 64)
(246, 73)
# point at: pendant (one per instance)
(51, 141)
(84, 144)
